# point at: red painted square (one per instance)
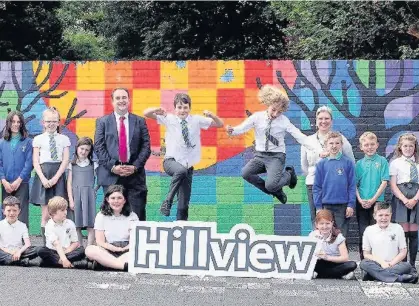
(230, 103)
(255, 69)
(154, 131)
(146, 74)
(209, 137)
(228, 152)
(68, 78)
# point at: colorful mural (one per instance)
(380, 96)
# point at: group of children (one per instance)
(340, 189)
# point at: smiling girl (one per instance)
(404, 185)
(112, 230)
(333, 259)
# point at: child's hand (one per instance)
(16, 256)
(364, 204)
(385, 265)
(370, 203)
(349, 212)
(53, 181)
(208, 114)
(45, 183)
(160, 111)
(126, 248)
(229, 129)
(71, 204)
(67, 264)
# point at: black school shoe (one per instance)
(165, 208)
(81, 264)
(281, 196)
(409, 278)
(294, 179)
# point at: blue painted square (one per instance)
(306, 226)
(230, 167)
(285, 228)
(204, 190)
(253, 195)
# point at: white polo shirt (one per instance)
(11, 235)
(384, 243)
(42, 142)
(64, 232)
(116, 228)
(175, 144)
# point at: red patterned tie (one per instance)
(122, 140)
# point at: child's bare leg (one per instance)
(102, 256)
(79, 235)
(90, 236)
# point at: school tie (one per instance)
(269, 137)
(185, 133)
(123, 154)
(53, 147)
(413, 171)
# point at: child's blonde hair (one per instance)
(368, 135)
(409, 137)
(269, 95)
(333, 135)
(54, 111)
(55, 204)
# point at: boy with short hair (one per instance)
(12, 233)
(270, 127)
(183, 149)
(384, 247)
(334, 183)
(372, 175)
(62, 244)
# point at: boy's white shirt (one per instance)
(64, 232)
(175, 145)
(11, 235)
(280, 125)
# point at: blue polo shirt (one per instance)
(370, 173)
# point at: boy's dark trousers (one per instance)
(50, 257)
(181, 185)
(328, 269)
(365, 218)
(339, 214)
(30, 253)
(388, 275)
(271, 163)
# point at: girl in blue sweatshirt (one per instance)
(334, 185)
(16, 162)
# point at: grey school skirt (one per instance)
(401, 214)
(120, 244)
(41, 195)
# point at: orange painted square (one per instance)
(118, 74)
(202, 74)
(225, 140)
(209, 137)
(252, 103)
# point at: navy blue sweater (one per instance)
(334, 182)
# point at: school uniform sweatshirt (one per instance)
(334, 182)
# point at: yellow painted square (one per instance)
(203, 99)
(162, 131)
(173, 77)
(86, 127)
(63, 104)
(208, 158)
(249, 138)
(43, 73)
(144, 98)
(91, 76)
(234, 68)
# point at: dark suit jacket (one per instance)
(107, 149)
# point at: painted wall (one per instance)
(379, 96)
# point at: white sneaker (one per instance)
(350, 275)
(314, 275)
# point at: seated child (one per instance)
(12, 233)
(62, 244)
(333, 257)
(384, 248)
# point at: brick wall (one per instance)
(379, 96)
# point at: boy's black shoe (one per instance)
(126, 267)
(81, 264)
(165, 208)
(24, 262)
(97, 266)
(294, 179)
(366, 277)
(281, 196)
(408, 278)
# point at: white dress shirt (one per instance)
(42, 142)
(126, 122)
(309, 158)
(175, 144)
(64, 232)
(400, 167)
(281, 124)
(11, 235)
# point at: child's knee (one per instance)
(272, 186)
(182, 173)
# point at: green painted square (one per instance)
(11, 97)
(164, 186)
(203, 212)
(260, 217)
(363, 72)
(154, 190)
(34, 220)
(297, 195)
(230, 190)
(228, 215)
(380, 74)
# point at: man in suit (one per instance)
(122, 145)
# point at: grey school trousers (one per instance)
(180, 185)
(388, 275)
(271, 163)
